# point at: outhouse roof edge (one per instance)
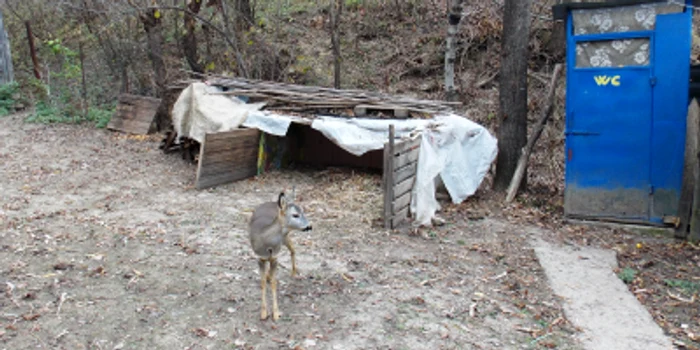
(561, 11)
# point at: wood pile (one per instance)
(311, 100)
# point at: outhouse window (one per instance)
(621, 19)
(627, 52)
(613, 53)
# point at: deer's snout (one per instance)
(307, 228)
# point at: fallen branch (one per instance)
(483, 82)
(534, 75)
(525, 153)
(681, 299)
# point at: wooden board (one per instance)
(400, 165)
(227, 156)
(388, 178)
(134, 114)
(363, 110)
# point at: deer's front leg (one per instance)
(292, 252)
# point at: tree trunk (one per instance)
(6, 70)
(83, 80)
(557, 41)
(335, 11)
(694, 235)
(512, 133)
(32, 50)
(454, 17)
(189, 41)
(154, 37)
(692, 148)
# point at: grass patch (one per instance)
(46, 113)
(687, 286)
(100, 116)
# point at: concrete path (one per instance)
(597, 301)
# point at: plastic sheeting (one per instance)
(202, 109)
(453, 149)
(359, 135)
(457, 151)
(273, 124)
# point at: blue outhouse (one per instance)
(628, 67)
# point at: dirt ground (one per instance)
(105, 244)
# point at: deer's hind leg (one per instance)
(262, 265)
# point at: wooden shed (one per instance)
(224, 157)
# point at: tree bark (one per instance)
(512, 133)
(189, 40)
(454, 17)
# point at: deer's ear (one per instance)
(282, 201)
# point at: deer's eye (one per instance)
(296, 216)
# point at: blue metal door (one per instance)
(626, 105)
(608, 133)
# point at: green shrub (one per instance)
(100, 116)
(8, 95)
(627, 275)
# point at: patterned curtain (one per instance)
(617, 53)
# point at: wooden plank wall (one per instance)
(400, 165)
(228, 156)
(134, 114)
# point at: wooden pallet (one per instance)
(226, 157)
(134, 114)
(400, 165)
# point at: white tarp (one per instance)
(359, 136)
(203, 109)
(460, 152)
(453, 149)
(273, 124)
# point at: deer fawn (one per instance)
(269, 228)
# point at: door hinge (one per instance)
(652, 81)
